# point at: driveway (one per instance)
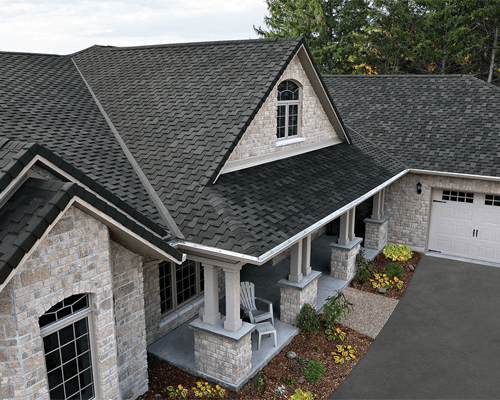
(441, 342)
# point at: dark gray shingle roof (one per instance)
(44, 100)
(445, 123)
(180, 109)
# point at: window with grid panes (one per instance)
(179, 283)
(66, 330)
(288, 110)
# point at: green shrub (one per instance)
(394, 269)
(307, 320)
(344, 353)
(364, 268)
(397, 252)
(314, 371)
(334, 308)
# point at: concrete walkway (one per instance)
(441, 342)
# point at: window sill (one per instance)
(286, 142)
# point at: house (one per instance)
(136, 183)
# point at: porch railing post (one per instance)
(211, 315)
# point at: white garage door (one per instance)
(465, 224)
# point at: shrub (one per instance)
(290, 381)
(300, 395)
(364, 268)
(382, 280)
(307, 320)
(344, 353)
(334, 308)
(394, 269)
(314, 371)
(205, 390)
(336, 334)
(177, 392)
(397, 252)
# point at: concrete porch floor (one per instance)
(177, 347)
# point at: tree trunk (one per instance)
(443, 61)
(492, 64)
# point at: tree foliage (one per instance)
(393, 36)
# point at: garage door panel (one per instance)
(452, 225)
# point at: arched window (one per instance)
(67, 338)
(288, 109)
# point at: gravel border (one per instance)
(370, 311)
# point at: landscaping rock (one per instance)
(411, 267)
(301, 380)
(354, 285)
(291, 355)
(381, 290)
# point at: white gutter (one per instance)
(455, 175)
(185, 245)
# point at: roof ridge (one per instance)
(191, 44)
(30, 54)
(398, 76)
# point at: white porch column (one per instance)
(306, 255)
(378, 205)
(344, 228)
(211, 315)
(233, 321)
(352, 219)
(296, 263)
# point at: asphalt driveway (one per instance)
(441, 342)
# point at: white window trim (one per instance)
(177, 307)
(288, 103)
(71, 319)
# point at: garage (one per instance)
(465, 224)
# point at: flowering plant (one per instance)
(397, 252)
(178, 391)
(382, 280)
(204, 389)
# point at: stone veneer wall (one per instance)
(293, 298)
(130, 321)
(410, 211)
(376, 233)
(223, 358)
(343, 261)
(260, 136)
(152, 305)
(74, 258)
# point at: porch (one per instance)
(178, 346)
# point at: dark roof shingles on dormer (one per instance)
(180, 110)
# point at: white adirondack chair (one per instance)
(247, 303)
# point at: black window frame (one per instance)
(169, 292)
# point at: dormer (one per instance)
(296, 117)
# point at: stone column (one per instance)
(343, 263)
(233, 321)
(295, 295)
(376, 232)
(296, 263)
(223, 356)
(306, 255)
(211, 314)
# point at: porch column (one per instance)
(233, 321)
(306, 255)
(211, 315)
(378, 205)
(344, 228)
(296, 263)
(352, 219)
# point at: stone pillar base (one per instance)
(221, 355)
(343, 262)
(295, 295)
(376, 232)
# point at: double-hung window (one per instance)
(67, 335)
(288, 110)
(179, 283)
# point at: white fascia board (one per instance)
(212, 252)
(455, 175)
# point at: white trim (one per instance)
(289, 140)
(454, 175)
(237, 165)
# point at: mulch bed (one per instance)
(379, 263)
(162, 374)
